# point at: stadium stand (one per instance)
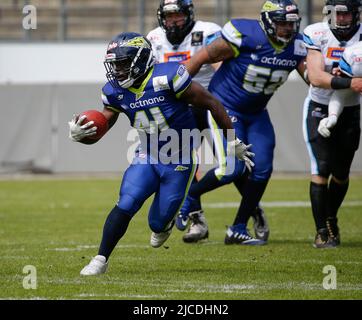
(96, 20)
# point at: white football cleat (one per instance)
(158, 239)
(198, 229)
(98, 265)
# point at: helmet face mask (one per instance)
(280, 20)
(121, 68)
(129, 57)
(175, 32)
(343, 16)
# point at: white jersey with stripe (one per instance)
(202, 34)
(319, 37)
(351, 62)
(351, 65)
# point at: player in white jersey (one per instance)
(331, 158)
(350, 65)
(178, 38)
(179, 41)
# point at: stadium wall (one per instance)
(42, 85)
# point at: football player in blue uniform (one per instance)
(257, 59)
(155, 98)
(177, 38)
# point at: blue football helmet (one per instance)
(129, 57)
(175, 34)
(332, 7)
(279, 11)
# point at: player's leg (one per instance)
(319, 153)
(139, 182)
(228, 169)
(173, 189)
(260, 222)
(182, 219)
(260, 134)
(346, 137)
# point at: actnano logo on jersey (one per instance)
(147, 102)
(279, 62)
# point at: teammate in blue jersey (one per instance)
(257, 59)
(155, 98)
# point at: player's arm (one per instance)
(316, 74)
(219, 50)
(335, 109)
(199, 97)
(319, 78)
(336, 102)
(111, 116)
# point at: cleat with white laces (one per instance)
(158, 239)
(261, 227)
(198, 229)
(98, 265)
(238, 234)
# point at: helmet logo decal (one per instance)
(137, 42)
(291, 8)
(270, 6)
(112, 45)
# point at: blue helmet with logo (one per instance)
(332, 7)
(129, 56)
(176, 34)
(274, 11)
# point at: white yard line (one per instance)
(177, 287)
(275, 204)
(82, 247)
(138, 296)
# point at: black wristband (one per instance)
(340, 83)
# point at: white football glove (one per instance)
(240, 150)
(77, 131)
(326, 124)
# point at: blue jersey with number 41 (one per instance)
(247, 82)
(155, 106)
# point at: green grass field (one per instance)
(55, 225)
